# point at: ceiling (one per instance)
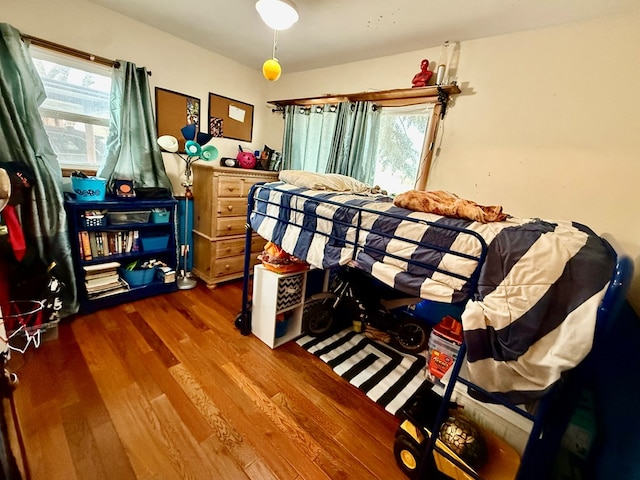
(332, 32)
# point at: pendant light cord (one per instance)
(275, 43)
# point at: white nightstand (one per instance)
(275, 294)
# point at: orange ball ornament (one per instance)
(271, 69)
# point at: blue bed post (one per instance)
(243, 320)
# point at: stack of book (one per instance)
(103, 280)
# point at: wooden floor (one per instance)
(167, 388)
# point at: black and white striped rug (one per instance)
(385, 375)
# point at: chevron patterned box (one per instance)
(289, 291)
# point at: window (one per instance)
(76, 111)
(398, 154)
(386, 149)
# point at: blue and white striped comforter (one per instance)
(533, 313)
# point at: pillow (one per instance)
(324, 181)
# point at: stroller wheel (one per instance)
(318, 319)
(409, 336)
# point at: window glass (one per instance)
(76, 111)
(400, 147)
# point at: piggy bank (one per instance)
(246, 159)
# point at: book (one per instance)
(94, 244)
(99, 244)
(86, 245)
(105, 244)
(101, 267)
(105, 273)
(101, 280)
(120, 287)
(108, 293)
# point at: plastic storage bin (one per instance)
(138, 278)
(90, 189)
(123, 218)
(282, 323)
(150, 244)
(160, 216)
(94, 220)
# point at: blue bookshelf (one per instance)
(113, 230)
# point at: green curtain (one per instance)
(132, 151)
(23, 139)
(308, 137)
(338, 138)
(287, 143)
(356, 142)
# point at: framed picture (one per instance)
(174, 111)
(230, 118)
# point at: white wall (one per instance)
(547, 124)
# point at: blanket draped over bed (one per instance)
(530, 318)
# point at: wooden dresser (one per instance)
(220, 214)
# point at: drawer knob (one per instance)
(231, 189)
(229, 207)
(228, 227)
(228, 249)
(227, 267)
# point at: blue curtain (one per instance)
(355, 142)
(23, 139)
(132, 151)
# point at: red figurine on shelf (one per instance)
(422, 77)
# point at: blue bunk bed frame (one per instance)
(552, 412)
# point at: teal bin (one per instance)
(90, 189)
(160, 216)
(139, 278)
(150, 244)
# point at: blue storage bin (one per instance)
(160, 216)
(138, 278)
(281, 327)
(90, 189)
(150, 244)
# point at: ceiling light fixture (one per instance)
(277, 14)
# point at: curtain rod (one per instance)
(398, 96)
(56, 47)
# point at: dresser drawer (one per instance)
(229, 248)
(232, 206)
(230, 226)
(224, 267)
(230, 187)
(236, 186)
(250, 182)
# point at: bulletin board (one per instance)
(230, 118)
(174, 111)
